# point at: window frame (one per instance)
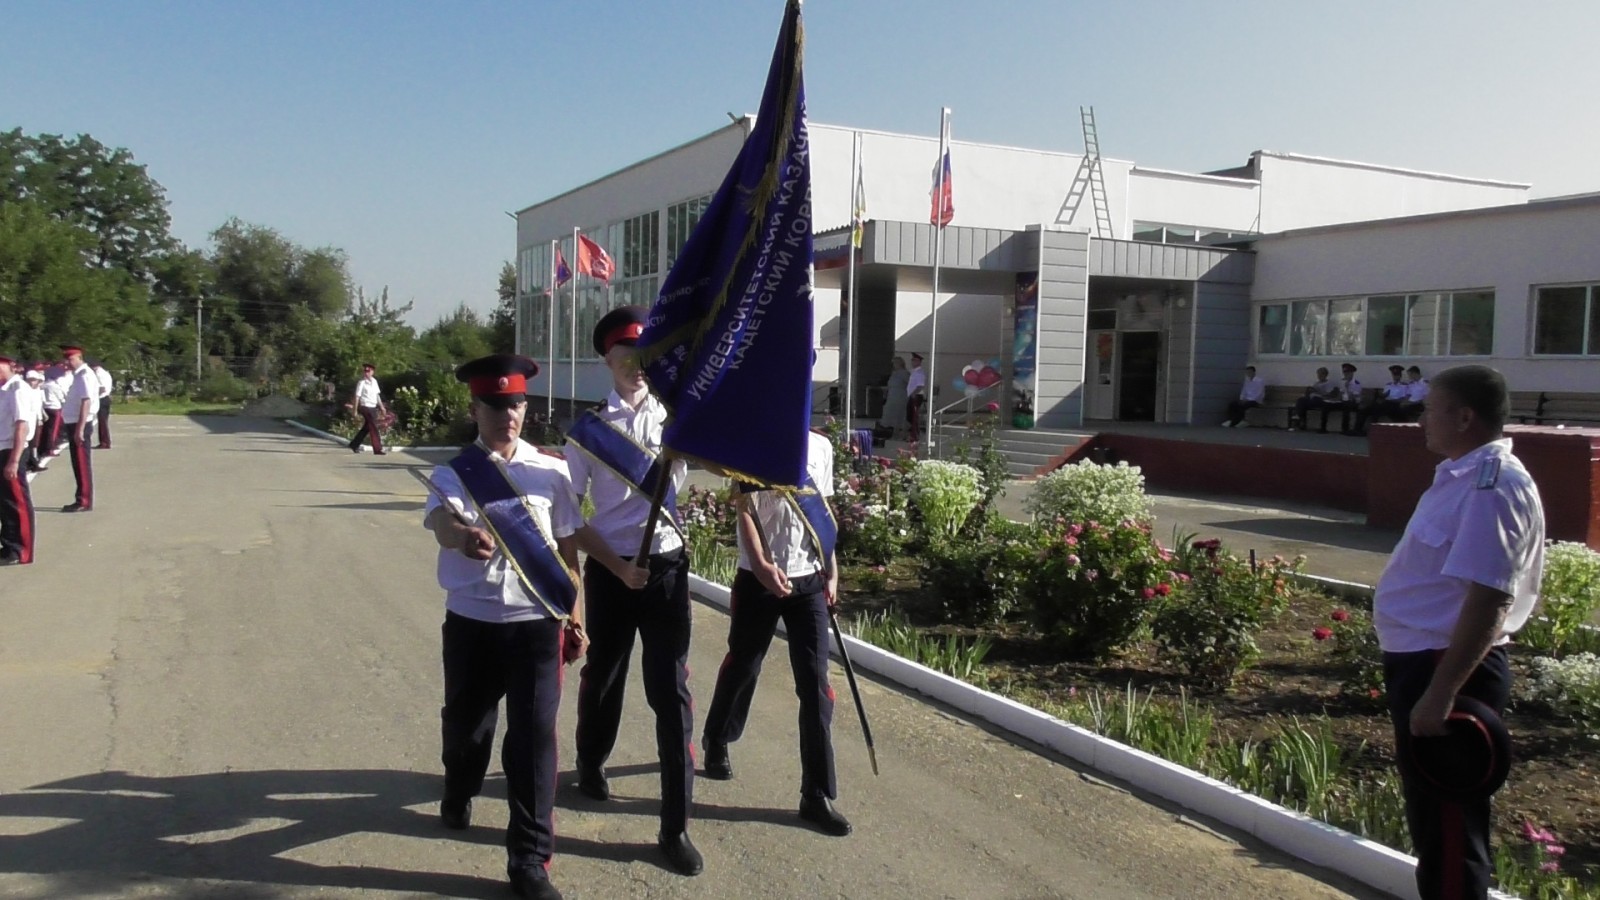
(1590, 288)
(1447, 301)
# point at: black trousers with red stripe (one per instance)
(49, 436)
(1451, 837)
(659, 614)
(82, 468)
(369, 428)
(16, 514)
(520, 661)
(755, 616)
(102, 421)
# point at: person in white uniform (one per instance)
(368, 404)
(17, 415)
(77, 417)
(102, 417)
(1463, 579)
(787, 571)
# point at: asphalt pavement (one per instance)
(225, 682)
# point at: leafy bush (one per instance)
(1570, 686)
(1355, 645)
(945, 493)
(219, 386)
(1094, 586)
(708, 511)
(1208, 627)
(1086, 492)
(871, 509)
(432, 406)
(1569, 594)
(983, 577)
(978, 449)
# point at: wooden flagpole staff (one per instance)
(657, 498)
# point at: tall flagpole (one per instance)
(550, 373)
(853, 308)
(931, 379)
(572, 347)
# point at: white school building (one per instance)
(1143, 310)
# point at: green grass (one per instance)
(172, 406)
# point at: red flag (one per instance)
(943, 208)
(594, 261)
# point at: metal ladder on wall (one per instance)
(1090, 180)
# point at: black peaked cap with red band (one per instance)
(622, 325)
(1469, 762)
(502, 376)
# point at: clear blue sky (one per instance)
(400, 131)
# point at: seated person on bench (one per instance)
(1251, 394)
(1387, 404)
(1323, 395)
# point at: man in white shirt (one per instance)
(503, 632)
(34, 381)
(368, 404)
(1251, 393)
(1416, 394)
(612, 454)
(77, 417)
(103, 411)
(16, 503)
(1323, 394)
(916, 396)
(1463, 579)
(1387, 403)
(787, 571)
(57, 382)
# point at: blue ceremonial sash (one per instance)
(505, 513)
(638, 466)
(814, 513)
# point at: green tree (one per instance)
(503, 321)
(457, 337)
(49, 295)
(82, 182)
(272, 299)
(371, 331)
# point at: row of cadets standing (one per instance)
(19, 417)
(613, 456)
(506, 522)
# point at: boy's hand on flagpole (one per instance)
(635, 577)
(830, 591)
(773, 579)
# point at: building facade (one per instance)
(1151, 320)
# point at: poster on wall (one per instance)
(1024, 349)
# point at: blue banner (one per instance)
(637, 465)
(812, 508)
(532, 553)
(727, 347)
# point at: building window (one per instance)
(1272, 328)
(640, 243)
(681, 219)
(1565, 321)
(1158, 233)
(1439, 324)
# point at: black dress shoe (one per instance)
(456, 816)
(681, 853)
(592, 782)
(75, 507)
(819, 811)
(534, 882)
(718, 766)
(9, 560)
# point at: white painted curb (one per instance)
(1295, 833)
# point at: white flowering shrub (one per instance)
(1570, 686)
(1086, 492)
(945, 493)
(1569, 594)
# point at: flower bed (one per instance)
(1208, 658)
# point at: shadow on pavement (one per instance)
(121, 828)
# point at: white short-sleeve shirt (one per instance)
(1417, 391)
(1396, 390)
(1480, 521)
(56, 387)
(792, 548)
(104, 378)
(15, 407)
(489, 590)
(85, 386)
(917, 381)
(367, 392)
(1254, 390)
(619, 510)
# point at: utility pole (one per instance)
(199, 311)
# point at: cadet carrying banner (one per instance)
(727, 347)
